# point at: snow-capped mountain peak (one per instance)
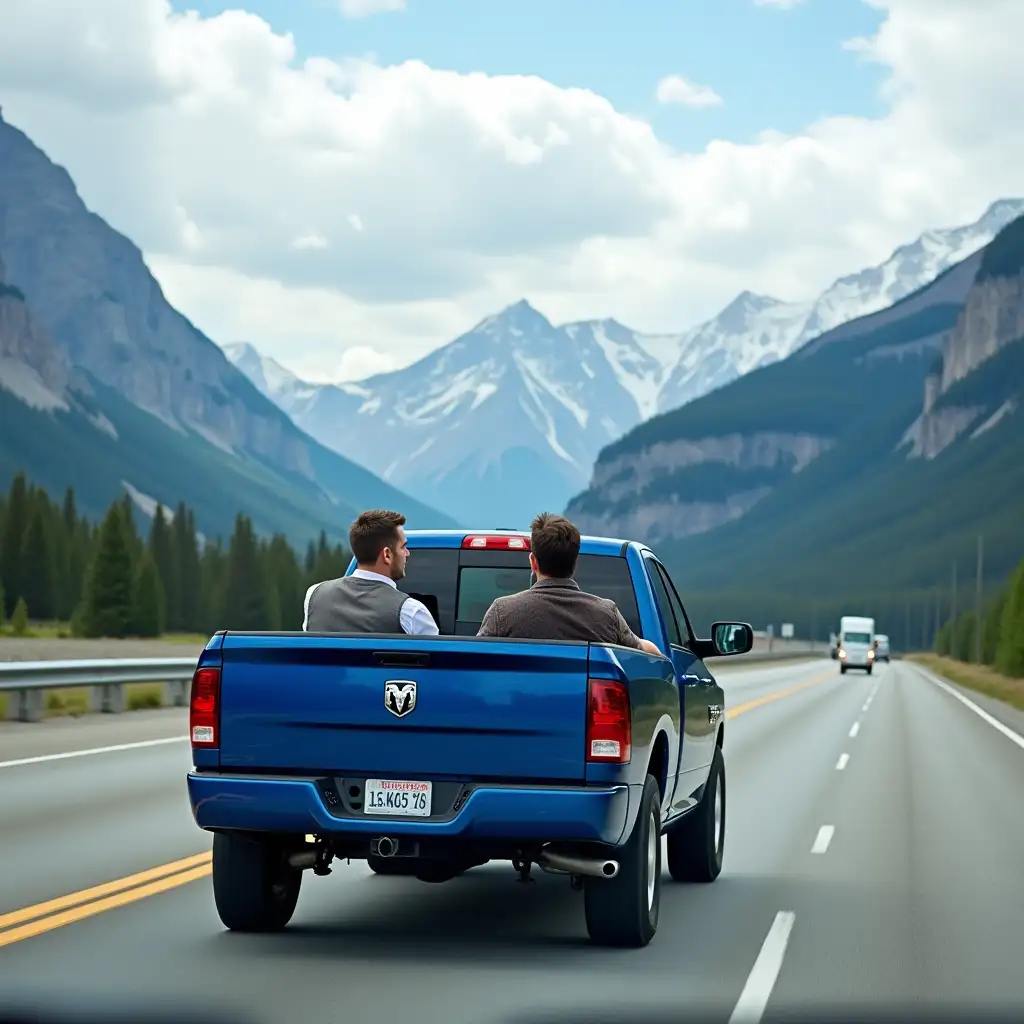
(266, 373)
(509, 417)
(909, 268)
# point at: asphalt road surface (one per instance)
(874, 858)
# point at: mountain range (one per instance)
(106, 387)
(514, 412)
(859, 470)
(849, 448)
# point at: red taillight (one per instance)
(609, 724)
(479, 542)
(204, 708)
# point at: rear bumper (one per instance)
(490, 812)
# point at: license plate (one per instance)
(396, 796)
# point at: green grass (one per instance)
(979, 678)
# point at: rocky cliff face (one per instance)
(645, 493)
(104, 311)
(30, 367)
(992, 319)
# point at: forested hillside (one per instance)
(108, 579)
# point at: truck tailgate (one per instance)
(468, 708)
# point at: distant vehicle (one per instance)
(856, 643)
(428, 756)
(833, 646)
(881, 647)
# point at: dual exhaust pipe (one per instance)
(383, 847)
(594, 867)
(549, 860)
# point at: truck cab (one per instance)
(856, 643)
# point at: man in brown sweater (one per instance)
(555, 608)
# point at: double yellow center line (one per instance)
(44, 917)
(749, 705)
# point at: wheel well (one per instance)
(658, 764)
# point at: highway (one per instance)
(874, 858)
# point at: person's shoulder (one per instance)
(596, 599)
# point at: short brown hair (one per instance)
(555, 543)
(372, 532)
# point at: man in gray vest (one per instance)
(368, 600)
(555, 608)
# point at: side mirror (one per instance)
(732, 637)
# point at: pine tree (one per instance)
(186, 546)
(993, 625)
(310, 561)
(3, 615)
(147, 598)
(1010, 652)
(161, 550)
(60, 535)
(69, 511)
(37, 567)
(966, 627)
(213, 579)
(19, 620)
(287, 577)
(16, 517)
(107, 601)
(247, 602)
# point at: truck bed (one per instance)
(502, 710)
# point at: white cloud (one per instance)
(207, 142)
(365, 8)
(676, 89)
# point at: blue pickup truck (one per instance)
(428, 756)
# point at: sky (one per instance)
(347, 184)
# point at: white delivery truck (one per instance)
(856, 643)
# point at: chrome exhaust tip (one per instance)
(594, 867)
(385, 846)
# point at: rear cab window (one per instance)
(458, 585)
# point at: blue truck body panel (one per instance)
(498, 729)
(598, 814)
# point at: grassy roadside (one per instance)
(980, 678)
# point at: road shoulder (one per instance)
(1005, 713)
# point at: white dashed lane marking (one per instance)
(855, 730)
(823, 838)
(844, 760)
(761, 980)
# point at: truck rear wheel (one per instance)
(696, 845)
(254, 887)
(623, 911)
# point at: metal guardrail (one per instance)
(26, 682)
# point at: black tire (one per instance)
(253, 886)
(623, 911)
(696, 846)
(842, 670)
(392, 865)
(869, 668)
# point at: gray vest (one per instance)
(354, 605)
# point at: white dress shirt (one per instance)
(416, 620)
